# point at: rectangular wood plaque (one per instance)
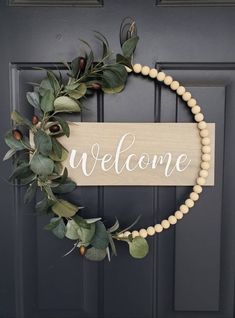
(136, 154)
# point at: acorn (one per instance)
(82, 250)
(96, 86)
(35, 120)
(82, 63)
(17, 134)
(54, 128)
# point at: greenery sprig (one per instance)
(38, 160)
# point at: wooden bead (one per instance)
(202, 125)
(168, 80)
(204, 133)
(145, 70)
(158, 228)
(153, 73)
(192, 102)
(179, 215)
(189, 203)
(150, 230)
(181, 90)
(205, 141)
(194, 196)
(201, 181)
(205, 165)
(197, 188)
(143, 233)
(199, 117)
(206, 157)
(165, 224)
(206, 149)
(203, 173)
(172, 219)
(161, 76)
(184, 209)
(121, 235)
(126, 234)
(129, 70)
(135, 234)
(186, 96)
(137, 68)
(175, 85)
(195, 109)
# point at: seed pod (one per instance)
(54, 128)
(96, 86)
(82, 63)
(82, 250)
(35, 120)
(17, 134)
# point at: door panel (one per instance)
(189, 271)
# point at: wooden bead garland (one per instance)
(205, 149)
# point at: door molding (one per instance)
(196, 3)
(36, 3)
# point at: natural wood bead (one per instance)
(172, 219)
(205, 141)
(158, 228)
(206, 157)
(189, 203)
(197, 188)
(195, 109)
(135, 234)
(137, 68)
(121, 235)
(165, 224)
(150, 230)
(194, 196)
(179, 215)
(199, 117)
(206, 149)
(186, 96)
(202, 125)
(143, 233)
(161, 76)
(145, 70)
(181, 90)
(175, 85)
(203, 173)
(129, 70)
(204, 133)
(192, 102)
(205, 165)
(201, 181)
(153, 73)
(184, 209)
(126, 234)
(168, 80)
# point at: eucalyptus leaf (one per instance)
(79, 92)
(112, 244)
(30, 192)
(57, 147)
(20, 120)
(41, 165)
(13, 143)
(43, 142)
(72, 230)
(33, 99)
(64, 208)
(138, 247)
(94, 254)
(57, 227)
(113, 78)
(100, 239)
(54, 81)
(66, 104)
(65, 187)
(43, 205)
(64, 125)
(93, 220)
(115, 227)
(123, 60)
(45, 85)
(9, 154)
(129, 46)
(47, 101)
(21, 171)
(55, 157)
(86, 234)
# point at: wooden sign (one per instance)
(136, 154)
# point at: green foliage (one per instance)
(129, 46)
(57, 227)
(138, 247)
(33, 99)
(100, 239)
(43, 142)
(47, 101)
(41, 165)
(64, 208)
(65, 104)
(20, 120)
(95, 254)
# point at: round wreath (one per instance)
(38, 163)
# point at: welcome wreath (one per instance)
(38, 162)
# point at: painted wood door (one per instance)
(189, 271)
